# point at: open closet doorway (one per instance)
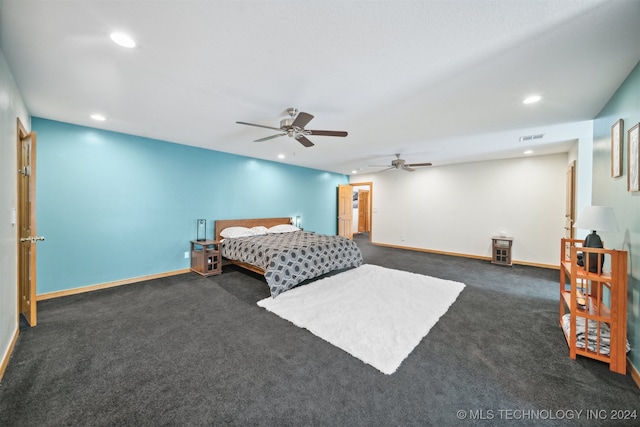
(362, 208)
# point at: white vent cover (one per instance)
(531, 137)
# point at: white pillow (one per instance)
(283, 228)
(259, 230)
(233, 232)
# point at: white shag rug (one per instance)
(376, 314)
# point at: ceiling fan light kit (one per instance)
(293, 126)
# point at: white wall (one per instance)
(11, 107)
(458, 208)
(582, 153)
(584, 179)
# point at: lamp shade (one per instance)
(597, 218)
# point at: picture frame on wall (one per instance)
(633, 158)
(616, 148)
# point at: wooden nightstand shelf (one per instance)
(205, 257)
(501, 249)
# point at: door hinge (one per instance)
(25, 170)
(31, 239)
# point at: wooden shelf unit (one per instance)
(605, 297)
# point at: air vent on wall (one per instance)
(531, 137)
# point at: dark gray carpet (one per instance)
(187, 350)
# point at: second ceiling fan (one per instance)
(400, 164)
(293, 126)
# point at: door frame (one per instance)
(570, 200)
(370, 185)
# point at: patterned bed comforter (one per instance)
(290, 258)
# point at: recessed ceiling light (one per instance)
(532, 99)
(528, 152)
(354, 172)
(123, 40)
(98, 117)
(281, 156)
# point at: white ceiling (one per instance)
(438, 81)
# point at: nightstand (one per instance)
(501, 250)
(205, 257)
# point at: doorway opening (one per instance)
(363, 209)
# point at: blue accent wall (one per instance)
(608, 191)
(114, 206)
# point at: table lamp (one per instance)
(597, 218)
(201, 232)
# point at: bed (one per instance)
(285, 255)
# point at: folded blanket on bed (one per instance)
(589, 337)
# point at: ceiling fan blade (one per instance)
(327, 132)
(408, 169)
(304, 141)
(301, 120)
(270, 137)
(260, 126)
(417, 165)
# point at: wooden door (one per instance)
(26, 217)
(363, 211)
(345, 211)
(569, 211)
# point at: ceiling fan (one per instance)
(400, 164)
(293, 126)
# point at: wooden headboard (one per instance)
(221, 224)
